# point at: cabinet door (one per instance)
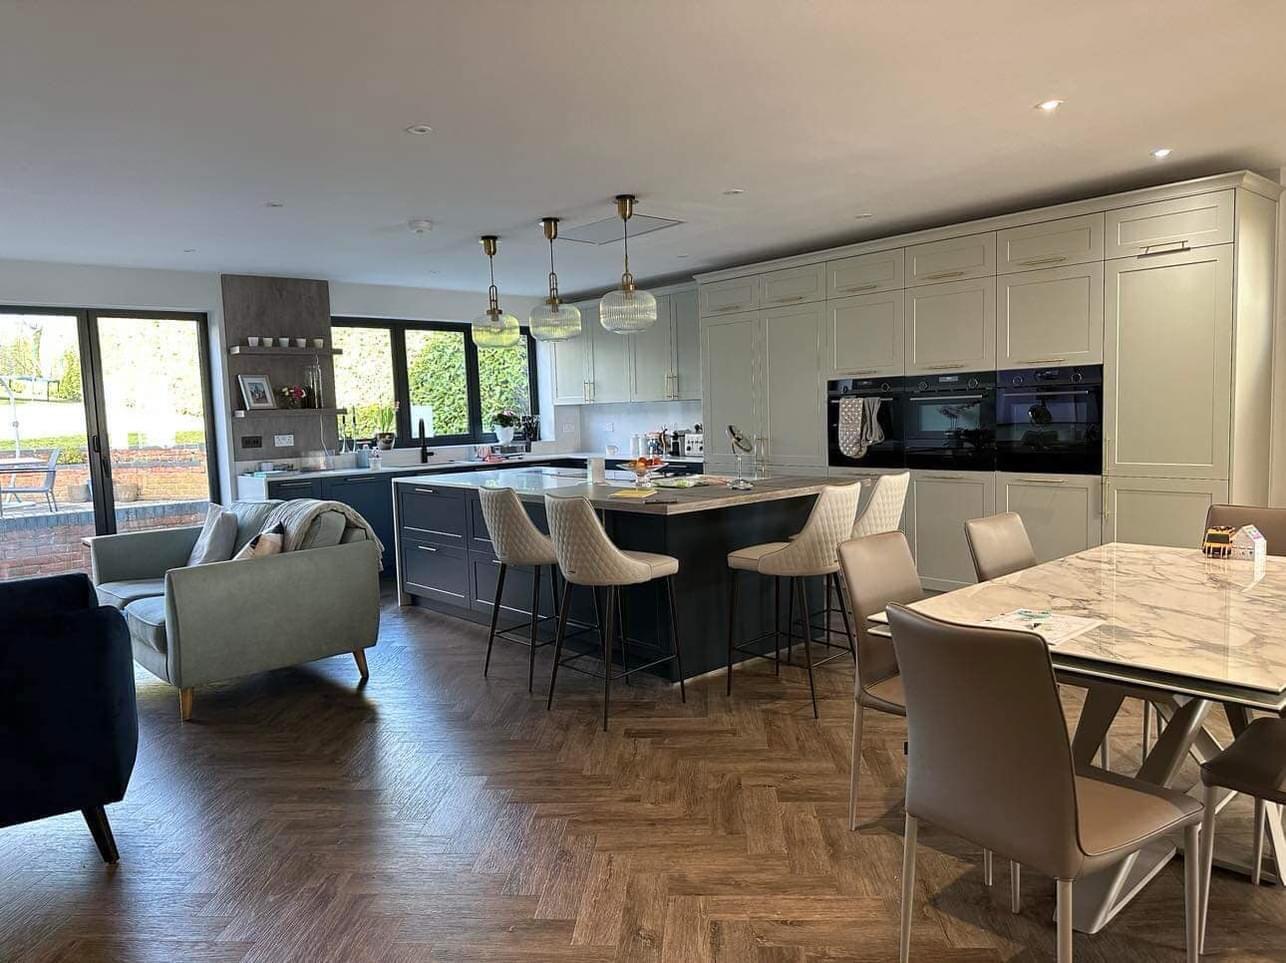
(652, 364)
(433, 514)
(944, 501)
(1188, 222)
(1159, 511)
(573, 360)
(951, 326)
(956, 259)
(793, 401)
(1167, 365)
(865, 335)
(610, 371)
(865, 274)
(729, 297)
(793, 286)
(1049, 317)
(1069, 240)
(730, 373)
(372, 497)
(435, 571)
(1063, 514)
(686, 384)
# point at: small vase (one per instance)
(503, 435)
(384, 440)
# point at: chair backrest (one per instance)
(989, 756)
(514, 536)
(813, 550)
(999, 545)
(883, 511)
(1271, 522)
(586, 556)
(879, 571)
(51, 467)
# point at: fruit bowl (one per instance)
(643, 467)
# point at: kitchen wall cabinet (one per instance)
(944, 501)
(572, 361)
(610, 373)
(951, 327)
(730, 374)
(1167, 366)
(1050, 317)
(651, 369)
(793, 286)
(1159, 511)
(792, 400)
(973, 256)
(1199, 220)
(686, 383)
(866, 274)
(865, 335)
(1063, 514)
(1068, 240)
(729, 297)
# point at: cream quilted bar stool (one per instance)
(586, 556)
(517, 542)
(810, 554)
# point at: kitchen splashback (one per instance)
(602, 425)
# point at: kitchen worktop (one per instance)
(532, 484)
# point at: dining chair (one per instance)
(44, 488)
(998, 545)
(1271, 522)
(1255, 764)
(990, 760)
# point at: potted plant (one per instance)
(293, 396)
(503, 424)
(385, 427)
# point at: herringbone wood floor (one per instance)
(437, 816)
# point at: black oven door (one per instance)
(876, 446)
(950, 421)
(1050, 420)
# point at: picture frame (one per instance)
(256, 391)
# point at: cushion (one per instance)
(120, 594)
(747, 559)
(146, 621)
(217, 538)
(325, 532)
(353, 534)
(262, 545)
(660, 565)
(250, 519)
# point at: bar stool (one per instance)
(811, 553)
(586, 556)
(517, 541)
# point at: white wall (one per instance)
(602, 425)
(1277, 469)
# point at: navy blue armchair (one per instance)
(68, 719)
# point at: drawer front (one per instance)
(954, 260)
(866, 274)
(480, 537)
(793, 286)
(295, 488)
(435, 571)
(433, 514)
(1167, 226)
(1070, 240)
(728, 297)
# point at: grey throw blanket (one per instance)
(297, 516)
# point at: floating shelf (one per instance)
(286, 412)
(260, 350)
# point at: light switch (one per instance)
(283, 441)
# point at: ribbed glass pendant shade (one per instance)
(495, 330)
(627, 311)
(555, 321)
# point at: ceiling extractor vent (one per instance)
(611, 229)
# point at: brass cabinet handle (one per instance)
(1178, 247)
(858, 287)
(1042, 481)
(1043, 260)
(941, 274)
(944, 367)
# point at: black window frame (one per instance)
(397, 329)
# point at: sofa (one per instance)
(68, 720)
(196, 625)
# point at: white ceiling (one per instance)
(133, 129)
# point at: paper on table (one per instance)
(1054, 629)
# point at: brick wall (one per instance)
(175, 472)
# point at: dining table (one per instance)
(1183, 632)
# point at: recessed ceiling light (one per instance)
(680, 255)
(1049, 106)
(274, 204)
(419, 129)
(1161, 153)
(734, 190)
(863, 215)
(419, 225)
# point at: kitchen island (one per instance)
(445, 560)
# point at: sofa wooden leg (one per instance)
(101, 829)
(359, 656)
(185, 703)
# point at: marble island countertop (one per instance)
(532, 484)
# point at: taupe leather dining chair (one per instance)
(1271, 522)
(991, 761)
(998, 545)
(1255, 764)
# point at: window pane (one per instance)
(502, 381)
(438, 386)
(363, 374)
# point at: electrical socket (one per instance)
(252, 441)
(283, 441)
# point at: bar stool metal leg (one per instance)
(563, 608)
(732, 612)
(535, 621)
(808, 642)
(790, 619)
(776, 625)
(607, 626)
(674, 636)
(495, 616)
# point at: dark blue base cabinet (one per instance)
(448, 565)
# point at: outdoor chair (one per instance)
(45, 488)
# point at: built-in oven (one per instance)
(1050, 420)
(950, 421)
(864, 422)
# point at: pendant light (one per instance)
(553, 320)
(627, 310)
(494, 328)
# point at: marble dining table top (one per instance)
(1167, 610)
